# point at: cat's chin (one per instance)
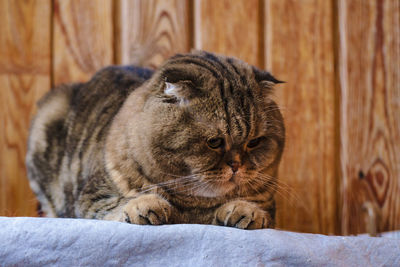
(229, 182)
(219, 190)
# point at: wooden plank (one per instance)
(83, 38)
(150, 31)
(370, 112)
(299, 50)
(230, 27)
(24, 77)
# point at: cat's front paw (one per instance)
(242, 214)
(148, 209)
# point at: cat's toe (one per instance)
(242, 215)
(148, 209)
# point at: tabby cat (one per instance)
(197, 141)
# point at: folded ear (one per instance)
(181, 91)
(265, 79)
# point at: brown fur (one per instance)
(197, 141)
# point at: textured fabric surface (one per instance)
(76, 242)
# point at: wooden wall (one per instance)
(341, 102)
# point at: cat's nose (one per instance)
(234, 165)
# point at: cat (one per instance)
(197, 141)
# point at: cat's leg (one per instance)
(148, 209)
(242, 214)
(141, 209)
(101, 199)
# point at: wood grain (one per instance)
(343, 137)
(369, 65)
(24, 77)
(150, 31)
(230, 28)
(82, 39)
(299, 50)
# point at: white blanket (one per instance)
(77, 242)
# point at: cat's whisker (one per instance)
(284, 194)
(253, 187)
(176, 186)
(177, 182)
(284, 190)
(166, 182)
(265, 180)
(183, 184)
(206, 186)
(173, 175)
(192, 188)
(190, 182)
(284, 187)
(272, 181)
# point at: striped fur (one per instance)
(133, 145)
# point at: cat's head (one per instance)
(212, 126)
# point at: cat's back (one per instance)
(71, 122)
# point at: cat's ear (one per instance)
(181, 91)
(265, 79)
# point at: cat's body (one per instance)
(198, 141)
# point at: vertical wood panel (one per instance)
(230, 28)
(296, 38)
(299, 50)
(83, 38)
(24, 77)
(150, 31)
(370, 111)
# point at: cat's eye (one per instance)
(255, 142)
(215, 143)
